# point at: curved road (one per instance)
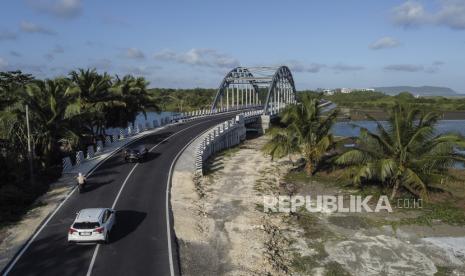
(139, 243)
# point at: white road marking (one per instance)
(168, 184)
(36, 234)
(94, 256)
(30, 241)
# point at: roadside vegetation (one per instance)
(183, 100)
(404, 154)
(403, 158)
(369, 99)
(377, 103)
(304, 131)
(65, 114)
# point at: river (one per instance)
(348, 128)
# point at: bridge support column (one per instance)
(227, 99)
(264, 123)
(237, 96)
(243, 94)
(253, 97)
(247, 96)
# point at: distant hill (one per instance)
(419, 90)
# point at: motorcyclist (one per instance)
(81, 179)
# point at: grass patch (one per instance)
(352, 222)
(444, 212)
(335, 269)
(313, 230)
(443, 271)
(305, 264)
(334, 178)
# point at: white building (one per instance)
(346, 90)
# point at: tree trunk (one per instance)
(309, 168)
(395, 188)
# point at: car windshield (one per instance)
(86, 225)
(136, 150)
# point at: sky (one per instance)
(186, 44)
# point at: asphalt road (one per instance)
(139, 242)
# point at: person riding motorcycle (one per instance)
(81, 179)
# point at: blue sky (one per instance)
(181, 44)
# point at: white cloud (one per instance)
(7, 35)
(15, 54)
(451, 13)
(344, 67)
(296, 66)
(384, 42)
(434, 67)
(29, 27)
(140, 70)
(404, 67)
(57, 8)
(199, 57)
(134, 53)
(409, 14)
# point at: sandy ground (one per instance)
(13, 237)
(222, 229)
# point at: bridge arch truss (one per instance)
(267, 88)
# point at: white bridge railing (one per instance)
(223, 136)
(119, 137)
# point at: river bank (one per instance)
(353, 114)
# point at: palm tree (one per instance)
(406, 152)
(283, 142)
(307, 132)
(51, 110)
(132, 93)
(94, 96)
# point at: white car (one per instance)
(92, 225)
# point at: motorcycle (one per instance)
(81, 186)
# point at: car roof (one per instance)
(136, 147)
(90, 215)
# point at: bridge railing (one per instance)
(201, 113)
(113, 140)
(223, 136)
(119, 137)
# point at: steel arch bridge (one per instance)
(267, 88)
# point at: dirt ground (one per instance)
(220, 230)
(14, 236)
(224, 231)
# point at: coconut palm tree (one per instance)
(406, 152)
(94, 96)
(134, 97)
(307, 131)
(51, 110)
(283, 142)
